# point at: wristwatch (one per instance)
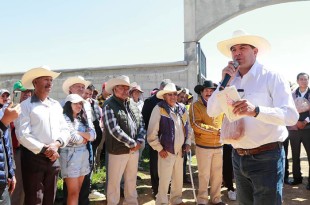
(256, 110)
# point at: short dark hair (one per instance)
(180, 89)
(91, 87)
(300, 74)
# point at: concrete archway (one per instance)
(202, 16)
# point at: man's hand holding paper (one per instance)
(243, 107)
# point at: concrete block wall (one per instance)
(148, 76)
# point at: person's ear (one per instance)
(255, 51)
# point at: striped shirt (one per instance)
(75, 127)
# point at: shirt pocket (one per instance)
(259, 98)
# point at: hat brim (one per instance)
(5, 91)
(74, 98)
(114, 82)
(141, 91)
(199, 88)
(71, 81)
(34, 73)
(78, 100)
(256, 41)
(160, 94)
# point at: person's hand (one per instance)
(52, 151)
(163, 154)
(187, 148)
(11, 184)
(137, 147)
(244, 107)
(84, 141)
(10, 114)
(54, 156)
(301, 125)
(230, 70)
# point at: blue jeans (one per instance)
(259, 178)
(5, 197)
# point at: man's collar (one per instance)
(35, 98)
(120, 100)
(252, 71)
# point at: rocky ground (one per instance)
(293, 195)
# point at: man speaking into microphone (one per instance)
(267, 108)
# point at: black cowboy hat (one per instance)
(206, 84)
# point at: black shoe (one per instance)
(186, 180)
(308, 186)
(286, 180)
(295, 182)
(154, 195)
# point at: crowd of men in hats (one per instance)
(42, 139)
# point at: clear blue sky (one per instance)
(79, 33)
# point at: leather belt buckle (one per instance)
(241, 152)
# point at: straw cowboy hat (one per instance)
(119, 80)
(135, 86)
(74, 98)
(206, 84)
(34, 73)
(74, 80)
(241, 37)
(169, 88)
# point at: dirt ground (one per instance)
(293, 195)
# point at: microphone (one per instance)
(227, 76)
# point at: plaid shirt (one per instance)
(96, 110)
(116, 131)
(101, 100)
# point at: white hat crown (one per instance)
(34, 73)
(169, 88)
(74, 80)
(242, 37)
(119, 80)
(74, 98)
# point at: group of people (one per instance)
(67, 137)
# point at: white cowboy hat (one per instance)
(169, 88)
(119, 80)
(242, 37)
(74, 98)
(74, 80)
(34, 73)
(135, 86)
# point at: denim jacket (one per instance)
(6, 156)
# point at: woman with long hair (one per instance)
(74, 157)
